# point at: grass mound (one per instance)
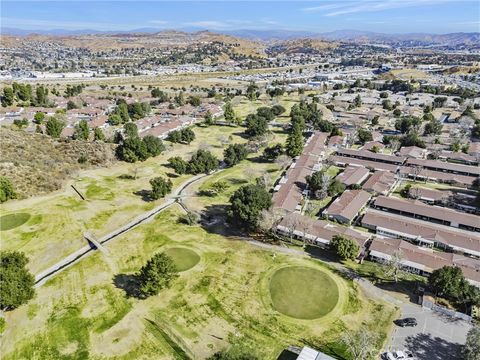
(183, 258)
(11, 221)
(303, 292)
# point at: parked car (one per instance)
(398, 355)
(406, 322)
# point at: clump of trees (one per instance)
(23, 94)
(234, 153)
(450, 283)
(158, 273)
(160, 187)
(132, 148)
(203, 161)
(16, 282)
(345, 247)
(7, 191)
(321, 185)
(407, 123)
(124, 112)
(185, 136)
(247, 203)
(364, 136)
(256, 125)
(159, 94)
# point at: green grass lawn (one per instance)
(222, 300)
(11, 221)
(184, 259)
(303, 293)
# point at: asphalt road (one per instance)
(436, 337)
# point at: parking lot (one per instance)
(436, 336)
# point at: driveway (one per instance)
(436, 336)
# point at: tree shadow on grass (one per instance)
(214, 220)
(144, 194)
(130, 283)
(404, 286)
(426, 347)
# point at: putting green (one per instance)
(303, 292)
(11, 221)
(183, 258)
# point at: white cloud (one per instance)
(351, 7)
(35, 24)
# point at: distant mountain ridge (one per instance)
(356, 36)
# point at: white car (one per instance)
(398, 355)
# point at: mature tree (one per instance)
(406, 123)
(447, 281)
(252, 91)
(7, 190)
(229, 113)
(174, 136)
(8, 96)
(157, 274)
(71, 105)
(471, 350)
(364, 136)
(247, 203)
(54, 127)
(346, 248)
(412, 139)
(335, 188)
(179, 165)
(16, 282)
(187, 135)
(130, 130)
(194, 100)
(234, 153)
(154, 145)
(81, 130)
(98, 134)
(278, 110)
(393, 266)
(266, 113)
(294, 145)
(203, 161)
(179, 99)
(161, 95)
(256, 125)
(269, 218)
(433, 127)
(316, 180)
(160, 187)
(133, 149)
(357, 102)
(273, 152)
(208, 118)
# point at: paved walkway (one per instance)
(76, 256)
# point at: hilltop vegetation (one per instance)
(37, 164)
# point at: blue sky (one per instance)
(390, 16)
